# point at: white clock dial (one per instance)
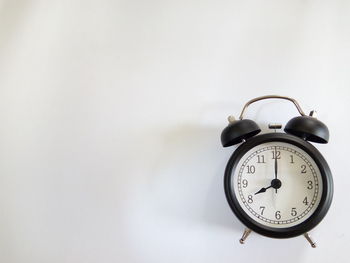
(277, 184)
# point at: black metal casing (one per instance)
(288, 232)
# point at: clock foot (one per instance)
(246, 233)
(309, 239)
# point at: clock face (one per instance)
(277, 184)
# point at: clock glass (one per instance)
(277, 184)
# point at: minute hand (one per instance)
(275, 165)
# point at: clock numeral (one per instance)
(262, 208)
(303, 169)
(310, 185)
(251, 169)
(261, 158)
(250, 199)
(278, 215)
(305, 201)
(291, 159)
(276, 154)
(293, 212)
(245, 183)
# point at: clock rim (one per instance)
(305, 226)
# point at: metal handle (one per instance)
(296, 104)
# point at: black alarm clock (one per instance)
(278, 184)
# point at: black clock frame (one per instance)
(308, 224)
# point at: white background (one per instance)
(110, 117)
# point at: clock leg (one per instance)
(309, 239)
(246, 233)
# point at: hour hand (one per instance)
(263, 190)
(275, 183)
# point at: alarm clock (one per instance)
(278, 184)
